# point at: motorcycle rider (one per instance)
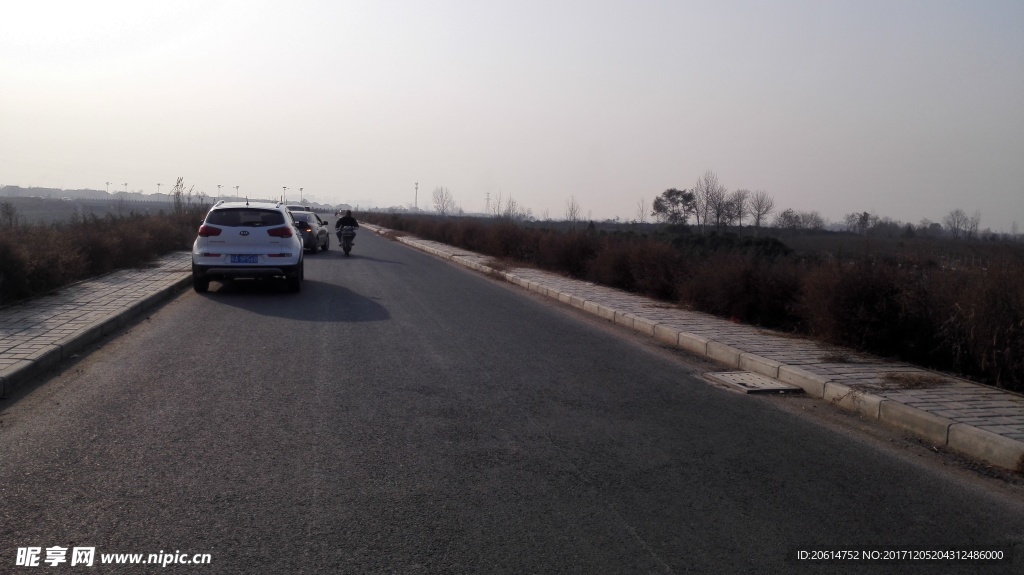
(346, 220)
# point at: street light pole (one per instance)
(108, 188)
(158, 188)
(284, 194)
(236, 192)
(218, 192)
(301, 201)
(416, 198)
(126, 188)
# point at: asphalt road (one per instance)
(402, 415)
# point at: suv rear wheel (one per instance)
(201, 285)
(295, 281)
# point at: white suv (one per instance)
(247, 240)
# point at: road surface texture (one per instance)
(403, 415)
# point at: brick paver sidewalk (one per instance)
(981, 421)
(38, 333)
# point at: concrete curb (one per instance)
(45, 359)
(978, 443)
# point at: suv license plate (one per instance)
(237, 259)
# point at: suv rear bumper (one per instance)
(232, 272)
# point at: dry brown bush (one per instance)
(38, 258)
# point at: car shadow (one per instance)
(353, 256)
(271, 298)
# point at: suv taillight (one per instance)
(206, 231)
(283, 232)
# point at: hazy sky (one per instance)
(905, 108)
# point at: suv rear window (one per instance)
(249, 217)
(303, 216)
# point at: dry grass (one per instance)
(38, 258)
(836, 357)
(904, 380)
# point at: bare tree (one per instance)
(709, 195)
(641, 211)
(572, 210)
(861, 222)
(495, 206)
(761, 206)
(8, 215)
(956, 222)
(974, 224)
(719, 208)
(444, 201)
(514, 211)
(738, 201)
(811, 221)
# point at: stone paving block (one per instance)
(723, 353)
(693, 343)
(925, 405)
(989, 446)
(852, 399)
(606, 312)
(1003, 420)
(997, 429)
(624, 319)
(644, 325)
(927, 425)
(667, 334)
(758, 364)
(812, 384)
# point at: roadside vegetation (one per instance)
(36, 258)
(954, 305)
(947, 295)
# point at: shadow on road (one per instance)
(271, 298)
(353, 256)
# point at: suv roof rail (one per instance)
(218, 203)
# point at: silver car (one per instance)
(314, 231)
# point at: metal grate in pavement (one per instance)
(748, 382)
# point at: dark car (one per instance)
(315, 234)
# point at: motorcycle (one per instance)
(345, 236)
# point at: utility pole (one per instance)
(416, 198)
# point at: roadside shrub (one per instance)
(743, 288)
(38, 258)
(613, 265)
(655, 268)
(568, 252)
(852, 304)
(982, 329)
